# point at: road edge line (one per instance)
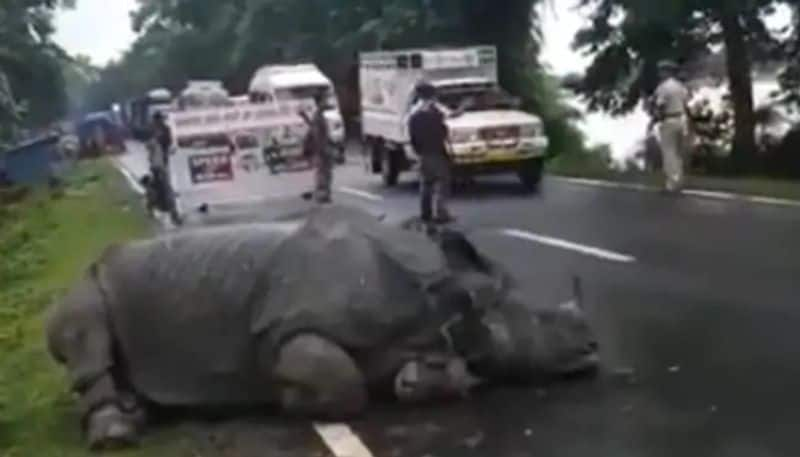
(341, 440)
(134, 183)
(360, 193)
(593, 251)
(701, 193)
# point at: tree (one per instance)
(230, 40)
(32, 86)
(790, 76)
(628, 37)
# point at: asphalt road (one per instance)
(695, 302)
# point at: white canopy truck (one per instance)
(295, 83)
(488, 133)
(200, 94)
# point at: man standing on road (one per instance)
(319, 144)
(671, 100)
(429, 137)
(160, 147)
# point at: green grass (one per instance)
(46, 242)
(754, 186)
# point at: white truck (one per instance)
(488, 133)
(200, 94)
(296, 83)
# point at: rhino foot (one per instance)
(109, 428)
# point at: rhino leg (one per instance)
(78, 337)
(316, 377)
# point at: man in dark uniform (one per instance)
(319, 145)
(160, 146)
(429, 138)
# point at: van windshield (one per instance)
(304, 93)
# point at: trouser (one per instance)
(673, 142)
(323, 178)
(435, 188)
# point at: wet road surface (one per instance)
(698, 328)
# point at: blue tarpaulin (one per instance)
(32, 162)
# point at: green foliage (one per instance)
(629, 37)
(46, 243)
(32, 86)
(196, 39)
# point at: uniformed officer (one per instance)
(671, 101)
(319, 144)
(429, 138)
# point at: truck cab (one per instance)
(297, 85)
(489, 133)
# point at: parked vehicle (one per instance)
(292, 84)
(138, 112)
(201, 94)
(490, 134)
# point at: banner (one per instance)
(245, 117)
(219, 158)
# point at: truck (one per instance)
(291, 84)
(138, 112)
(200, 94)
(488, 133)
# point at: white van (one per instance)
(297, 83)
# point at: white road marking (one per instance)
(134, 183)
(341, 440)
(774, 201)
(691, 192)
(360, 193)
(710, 194)
(609, 184)
(569, 245)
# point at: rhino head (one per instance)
(522, 343)
(501, 332)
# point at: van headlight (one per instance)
(530, 131)
(464, 136)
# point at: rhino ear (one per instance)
(576, 303)
(577, 291)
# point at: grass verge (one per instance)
(750, 186)
(46, 242)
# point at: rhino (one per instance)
(313, 317)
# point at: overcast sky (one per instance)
(103, 32)
(96, 28)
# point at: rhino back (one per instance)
(180, 310)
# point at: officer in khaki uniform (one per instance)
(429, 136)
(671, 100)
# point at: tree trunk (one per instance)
(740, 77)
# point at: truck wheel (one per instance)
(531, 175)
(390, 167)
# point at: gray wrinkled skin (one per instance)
(317, 316)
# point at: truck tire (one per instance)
(390, 166)
(531, 175)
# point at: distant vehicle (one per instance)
(296, 83)
(490, 134)
(138, 112)
(200, 94)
